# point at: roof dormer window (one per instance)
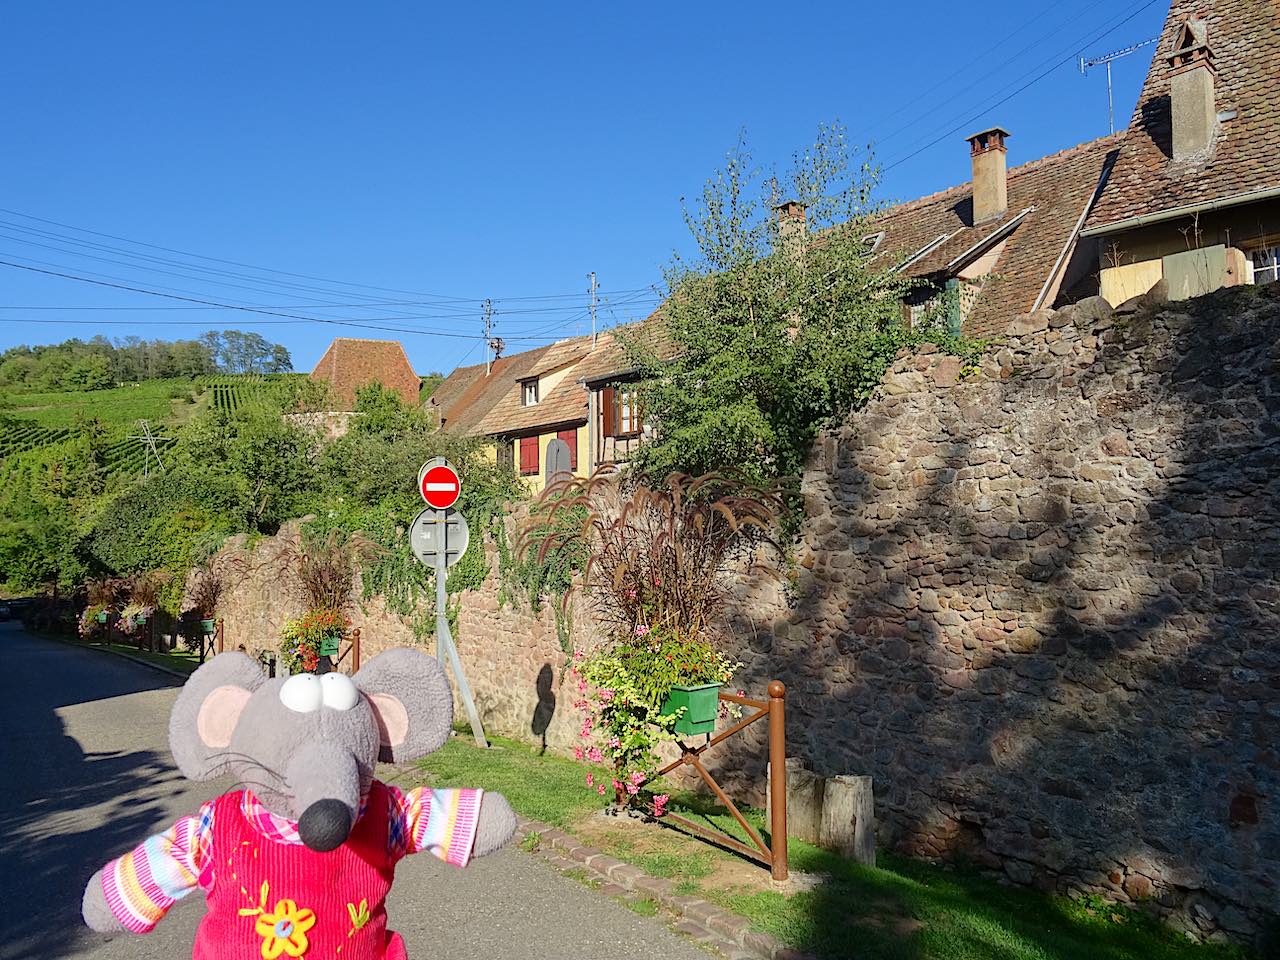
(529, 392)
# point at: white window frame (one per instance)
(529, 392)
(1269, 269)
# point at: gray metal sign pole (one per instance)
(444, 637)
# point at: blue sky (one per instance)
(478, 150)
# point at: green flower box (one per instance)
(207, 626)
(101, 617)
(139, 619)
(701, 703)
(329, 646)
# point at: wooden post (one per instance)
(217, 632)
(355, 651)
(777, 780)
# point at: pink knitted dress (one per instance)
(285, 900)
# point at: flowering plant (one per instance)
(622, 686)
(131, 613)
(89, 627)
(301, 638)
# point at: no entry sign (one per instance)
(439, 484)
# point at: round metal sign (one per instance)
(434, 532)
(439, 484)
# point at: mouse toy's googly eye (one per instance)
(339, 692)
(302, 693)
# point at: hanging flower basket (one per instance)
(207, 626)
(101, 617)
(139, 619)
(701, 703)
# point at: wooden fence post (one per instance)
(217, 632)
(355, 651)
(777, 780)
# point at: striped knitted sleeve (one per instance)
(143, 884)
(441, 822)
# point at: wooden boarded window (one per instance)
(570, 438)
(607, 402)
(528, 456)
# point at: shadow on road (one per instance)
(63, 812)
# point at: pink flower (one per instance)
(641, 629)
(660, 804)
(591, 781)
(614, 743)
(617, 784)
(636, 778)
(582, 685)
(578, 654)
(600, 788)
(606, 695)
(577, 753)
(595, 756)
(632, 789)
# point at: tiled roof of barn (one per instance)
(1244, 36)
(351, 363)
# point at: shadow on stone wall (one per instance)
(1040, 607)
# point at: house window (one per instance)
(570, 438)
(1266, 264)
(529, 392)
(622, 414)
(528, 456)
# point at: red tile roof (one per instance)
(1244, 36)
(1049, 195)
(350, 363)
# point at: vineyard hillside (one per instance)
(36, 422)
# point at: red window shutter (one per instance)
(570, 437)
(609, 404)
(528, 455)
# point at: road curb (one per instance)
(159, 668)
(727, 933)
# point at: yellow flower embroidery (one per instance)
(284, 930)
(359, 915)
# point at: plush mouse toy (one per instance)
(300, 863)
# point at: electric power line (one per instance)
(1032, 82)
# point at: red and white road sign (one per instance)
(441, 486)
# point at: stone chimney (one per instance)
(990, 174)
(792, 223)
(1192, 101)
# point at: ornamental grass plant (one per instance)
(656, 578)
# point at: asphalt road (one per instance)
(85, 773)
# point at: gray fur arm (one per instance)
(496, 826)
(97, 915)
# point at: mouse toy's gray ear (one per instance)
(207, 711)
(412, 700)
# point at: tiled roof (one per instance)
(351, 363)
(1049, 194)
(610, 358)
(481, 393)
(452, 387)
(565, 404)
(1244, 36)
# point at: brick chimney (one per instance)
(1192, 100)
(990, 174)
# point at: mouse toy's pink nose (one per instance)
(324, 825)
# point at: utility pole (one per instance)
(592, 275)
(148, 440)
(1105, 60)
(488, 336)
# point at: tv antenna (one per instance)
(148, 440)
(1105, 60)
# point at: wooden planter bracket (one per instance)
(774, 854)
